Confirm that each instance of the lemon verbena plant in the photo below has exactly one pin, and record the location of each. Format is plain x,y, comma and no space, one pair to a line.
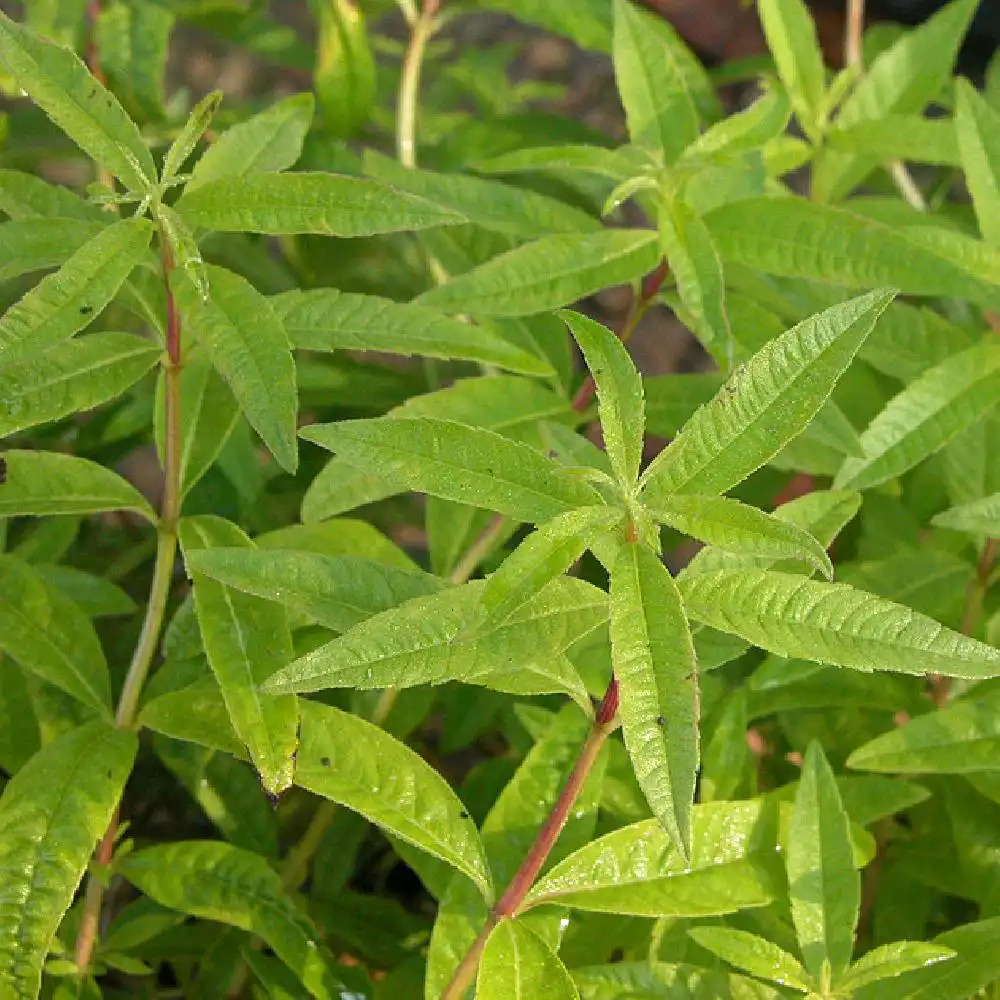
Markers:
330,674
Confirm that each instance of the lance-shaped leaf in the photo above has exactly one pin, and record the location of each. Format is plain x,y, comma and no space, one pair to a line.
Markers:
753,954
619,394
72,377
925,416
132,44
52,813
518,965
981,517
902,80
456,462
59,83
67,301
744,131
336,591
791,37
657,670
638,870
196,714
795,238
977,124
246,639
549,273
892,960
26,196
832,623
46,482
326,204
31,244
190,134
358,765
217,881
736,527
961,738
249,348
823,885
430,640
267,142
323,319
516,212
184,251
543,556
616,164
765,403
694,262
208,412
902,137
660,82
50,636
822,513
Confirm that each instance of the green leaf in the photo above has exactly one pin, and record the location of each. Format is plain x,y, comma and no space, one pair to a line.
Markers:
891,960
637,869
617,164
32,244
46,482
265,143
977,125
666,981
900,137
791,37
72,377
183,247
973,967
795,238
248,346
925,416
745,131
659,80
341,537
961,738
358,765
429,640
196,713
741,529
619,394
823,885
67,301
694,262
50,636
132,42
323,319
765,404
657,671
518,965
326,204
191,134
542,557
588,23
51,815
753,954
246,639
832,623
208,412
25,196
902,80
548,273
95,596
456,462
981,517
59,83
336,591
216,881
493,205
344,77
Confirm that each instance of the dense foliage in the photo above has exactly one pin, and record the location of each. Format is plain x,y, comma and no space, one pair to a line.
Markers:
381,686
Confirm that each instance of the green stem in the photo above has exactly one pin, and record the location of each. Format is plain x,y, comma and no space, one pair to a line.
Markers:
156,606
605,723
409,83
